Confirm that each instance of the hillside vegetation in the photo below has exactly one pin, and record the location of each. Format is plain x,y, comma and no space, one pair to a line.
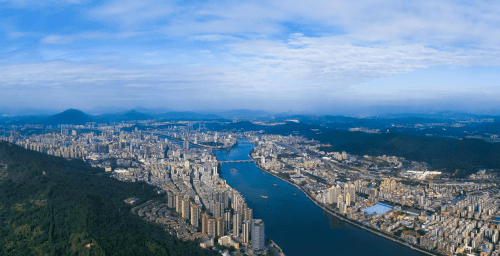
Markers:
447,153
51,206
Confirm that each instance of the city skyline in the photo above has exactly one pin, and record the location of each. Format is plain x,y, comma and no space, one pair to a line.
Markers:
275,56
260,192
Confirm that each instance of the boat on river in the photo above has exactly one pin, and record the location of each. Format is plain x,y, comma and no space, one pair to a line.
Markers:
233,170
275,184
265,197
294,194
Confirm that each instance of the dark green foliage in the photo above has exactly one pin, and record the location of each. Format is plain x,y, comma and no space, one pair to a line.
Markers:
51,206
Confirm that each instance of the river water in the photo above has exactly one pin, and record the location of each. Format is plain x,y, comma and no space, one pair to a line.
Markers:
295,223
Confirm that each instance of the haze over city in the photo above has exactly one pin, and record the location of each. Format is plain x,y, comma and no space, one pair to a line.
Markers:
279,56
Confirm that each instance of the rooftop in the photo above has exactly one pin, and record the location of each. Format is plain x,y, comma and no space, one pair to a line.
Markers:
379,208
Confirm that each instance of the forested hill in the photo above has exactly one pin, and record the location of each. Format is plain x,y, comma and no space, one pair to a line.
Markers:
51,206
449,154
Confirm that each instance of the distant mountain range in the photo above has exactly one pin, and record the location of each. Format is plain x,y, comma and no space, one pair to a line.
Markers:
125,116
187,116
70,116
241,113
77,117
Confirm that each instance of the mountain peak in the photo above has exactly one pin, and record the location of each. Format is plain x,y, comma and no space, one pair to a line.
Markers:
72,111
69,116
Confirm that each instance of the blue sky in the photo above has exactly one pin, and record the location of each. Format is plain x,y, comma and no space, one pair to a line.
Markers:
301,56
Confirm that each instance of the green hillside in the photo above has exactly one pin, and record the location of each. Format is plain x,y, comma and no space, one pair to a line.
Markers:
51,206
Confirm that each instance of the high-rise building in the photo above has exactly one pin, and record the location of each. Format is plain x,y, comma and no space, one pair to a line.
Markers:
333,193
217,209
170,200
352,191
185,208
204,223
245,232
209,204
64,131
236,223
220,226
234,201
248,214
227,220
211,227
258,242
195,215
178,202
225,198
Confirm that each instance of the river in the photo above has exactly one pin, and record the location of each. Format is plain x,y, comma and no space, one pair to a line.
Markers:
295,223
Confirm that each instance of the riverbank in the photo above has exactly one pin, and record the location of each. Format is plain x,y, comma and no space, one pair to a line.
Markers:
343,218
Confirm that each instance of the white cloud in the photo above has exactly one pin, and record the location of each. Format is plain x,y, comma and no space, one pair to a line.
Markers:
332,63
57,39
428,22
442,24
131,13
94,35
277,49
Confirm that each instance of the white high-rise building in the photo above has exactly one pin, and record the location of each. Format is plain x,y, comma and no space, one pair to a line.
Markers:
245,232
236,223
258,241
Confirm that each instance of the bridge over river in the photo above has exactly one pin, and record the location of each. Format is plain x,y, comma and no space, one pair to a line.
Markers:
236,161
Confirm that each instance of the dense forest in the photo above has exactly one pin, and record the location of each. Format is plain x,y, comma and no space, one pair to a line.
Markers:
52,206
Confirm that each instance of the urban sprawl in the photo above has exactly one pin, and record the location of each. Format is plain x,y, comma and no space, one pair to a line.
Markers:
402,200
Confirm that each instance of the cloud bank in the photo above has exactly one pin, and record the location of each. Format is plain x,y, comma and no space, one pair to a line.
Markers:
253,54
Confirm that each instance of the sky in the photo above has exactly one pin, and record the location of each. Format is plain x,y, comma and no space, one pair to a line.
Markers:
276,55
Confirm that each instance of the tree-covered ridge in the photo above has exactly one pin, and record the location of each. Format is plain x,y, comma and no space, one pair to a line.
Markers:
466,155
51,206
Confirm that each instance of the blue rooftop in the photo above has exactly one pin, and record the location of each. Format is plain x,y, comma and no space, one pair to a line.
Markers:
379,208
